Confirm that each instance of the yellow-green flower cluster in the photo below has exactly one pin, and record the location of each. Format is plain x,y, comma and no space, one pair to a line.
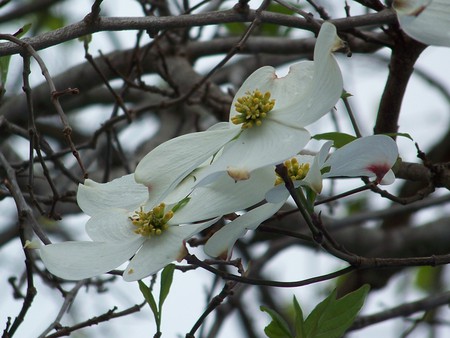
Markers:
296,171
151,223
252,108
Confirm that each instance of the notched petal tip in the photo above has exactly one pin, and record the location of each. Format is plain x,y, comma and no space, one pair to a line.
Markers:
238,174
328,36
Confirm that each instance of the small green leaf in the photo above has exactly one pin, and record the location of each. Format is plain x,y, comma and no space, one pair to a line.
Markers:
299,322
311,196
235,28
166,283
22,31
332,317
426,277
85,38
346,95
182,203
148,296
339,139
278,328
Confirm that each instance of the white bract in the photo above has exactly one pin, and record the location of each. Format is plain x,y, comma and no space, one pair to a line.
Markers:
371,156
126,224
266,124
427,21
121,225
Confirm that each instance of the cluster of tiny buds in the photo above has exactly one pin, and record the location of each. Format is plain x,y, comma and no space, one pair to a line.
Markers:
296,171
152,223
252,108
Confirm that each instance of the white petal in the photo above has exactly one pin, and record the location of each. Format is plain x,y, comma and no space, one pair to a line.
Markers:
271,143
326,86
427,21
371,156
159,251
166,165
287,91
410,7
223,240
111,226
123,192
277,194
79,260
323,80
308,91
389,178
314,176
225,196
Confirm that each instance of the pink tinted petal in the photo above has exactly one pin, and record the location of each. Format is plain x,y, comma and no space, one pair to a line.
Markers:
371,156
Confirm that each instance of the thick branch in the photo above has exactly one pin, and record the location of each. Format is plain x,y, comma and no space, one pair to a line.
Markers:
156,24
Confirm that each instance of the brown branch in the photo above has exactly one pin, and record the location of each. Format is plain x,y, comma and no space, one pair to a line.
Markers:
22,207
111,314
404,310
404,55
153,23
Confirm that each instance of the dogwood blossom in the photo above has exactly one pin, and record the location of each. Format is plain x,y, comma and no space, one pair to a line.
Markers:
371,156
266,125
427,21
121,225
125,225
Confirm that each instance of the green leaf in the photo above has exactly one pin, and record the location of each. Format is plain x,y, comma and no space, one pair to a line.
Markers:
50,21
235,28
148,296
332,317
339,139
166,283
268,29
299,322
427,277
278,328
311,196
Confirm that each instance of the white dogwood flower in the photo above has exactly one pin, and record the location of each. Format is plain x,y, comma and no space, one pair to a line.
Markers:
266,126
121,227
427,21
126,225
371,156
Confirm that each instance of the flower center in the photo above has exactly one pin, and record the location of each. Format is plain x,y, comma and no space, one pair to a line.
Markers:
152,223
296,171
252,108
